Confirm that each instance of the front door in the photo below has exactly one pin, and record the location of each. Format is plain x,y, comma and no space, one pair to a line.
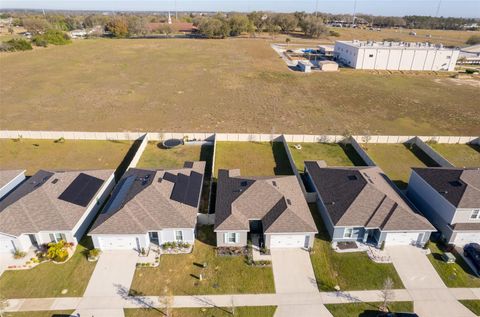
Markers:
307,242
154,237
33,240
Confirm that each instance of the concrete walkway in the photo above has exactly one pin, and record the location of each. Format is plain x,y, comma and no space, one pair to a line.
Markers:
430,295
291,299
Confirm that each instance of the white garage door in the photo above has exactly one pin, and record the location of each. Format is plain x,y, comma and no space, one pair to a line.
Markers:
287,241
118,243
401,238
6,245
463,238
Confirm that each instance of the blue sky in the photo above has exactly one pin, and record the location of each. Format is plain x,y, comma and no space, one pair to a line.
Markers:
458,8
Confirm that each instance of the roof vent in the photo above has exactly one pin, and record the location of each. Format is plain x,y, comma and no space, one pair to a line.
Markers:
55,181
352,177
274,183
455,183
243,183
160,179
443,192
289,202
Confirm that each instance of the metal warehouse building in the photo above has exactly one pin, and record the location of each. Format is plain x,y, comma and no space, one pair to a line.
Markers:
395,55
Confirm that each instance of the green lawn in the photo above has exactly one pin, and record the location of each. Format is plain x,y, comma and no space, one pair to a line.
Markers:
396,160
350,271
49,279
473,305
32,155
366,309
334,154
260,311
253,158
456,274
52,313
223,275
157,157
460,155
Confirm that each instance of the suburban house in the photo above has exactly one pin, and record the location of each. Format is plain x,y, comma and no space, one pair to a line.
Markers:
9,179
362,204
272,207
450,199
151,207
395,55
52,206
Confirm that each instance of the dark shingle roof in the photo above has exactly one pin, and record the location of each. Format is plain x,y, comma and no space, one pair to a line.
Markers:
364,197
146,200
277,201
460,186
36,204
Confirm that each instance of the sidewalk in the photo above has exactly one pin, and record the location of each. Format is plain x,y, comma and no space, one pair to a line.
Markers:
299,299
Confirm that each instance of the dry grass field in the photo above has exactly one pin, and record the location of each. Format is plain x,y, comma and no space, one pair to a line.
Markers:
235,85
33,155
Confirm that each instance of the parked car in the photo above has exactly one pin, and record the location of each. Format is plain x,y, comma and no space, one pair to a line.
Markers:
472,251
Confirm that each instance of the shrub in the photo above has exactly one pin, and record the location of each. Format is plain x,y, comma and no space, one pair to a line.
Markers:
334,33
19,254
94,253
471,71
55,37
382,247
473,40
57,251
15,45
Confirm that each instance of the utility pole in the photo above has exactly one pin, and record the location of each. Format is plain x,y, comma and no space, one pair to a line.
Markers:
316,8
354,11
438,8
176,12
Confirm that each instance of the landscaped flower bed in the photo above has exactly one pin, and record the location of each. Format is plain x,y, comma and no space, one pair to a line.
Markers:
232,251
176,247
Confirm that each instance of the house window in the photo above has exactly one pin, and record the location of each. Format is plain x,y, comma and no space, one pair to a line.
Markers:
448,57
348,233
179,235
231,237
370,55
475,214
55,237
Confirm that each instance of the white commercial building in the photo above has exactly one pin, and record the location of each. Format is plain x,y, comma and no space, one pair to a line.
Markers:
395,55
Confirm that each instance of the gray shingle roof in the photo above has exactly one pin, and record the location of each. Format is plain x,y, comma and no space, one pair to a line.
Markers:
277,201
363,197
148,200
6,176
35,205
460,186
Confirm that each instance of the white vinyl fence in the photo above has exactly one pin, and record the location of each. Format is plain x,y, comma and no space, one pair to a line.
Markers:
210,136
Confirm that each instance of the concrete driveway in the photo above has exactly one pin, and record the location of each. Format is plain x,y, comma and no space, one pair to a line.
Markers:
414,267
430,295
113,274
292,271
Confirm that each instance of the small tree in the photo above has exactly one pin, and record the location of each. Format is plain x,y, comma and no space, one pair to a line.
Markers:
387,294
165,29
287,40
10,30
